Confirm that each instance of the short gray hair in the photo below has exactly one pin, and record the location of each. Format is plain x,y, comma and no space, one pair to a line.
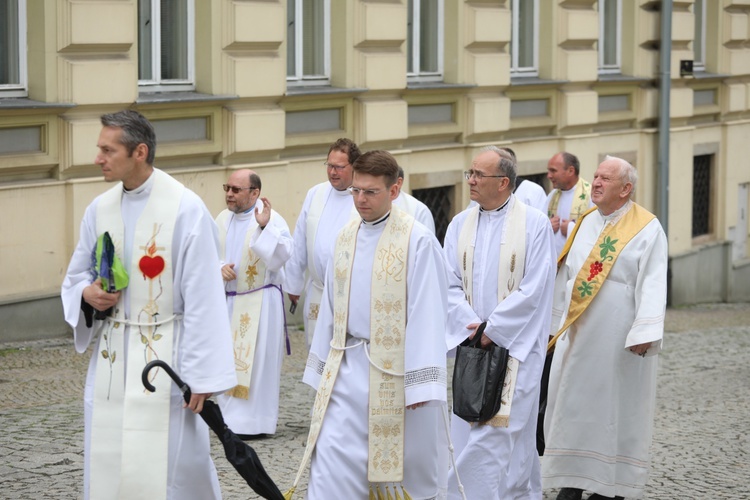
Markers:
628,173
136,129
506,165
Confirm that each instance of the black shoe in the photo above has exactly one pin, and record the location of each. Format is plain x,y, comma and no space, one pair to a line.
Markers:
597,496
251,437
570,494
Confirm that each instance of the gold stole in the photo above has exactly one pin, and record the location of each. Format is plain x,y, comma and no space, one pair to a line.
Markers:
510,271
581,198
130,426
387,343
251,274
596,268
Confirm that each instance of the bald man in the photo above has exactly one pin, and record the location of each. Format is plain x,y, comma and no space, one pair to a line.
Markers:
255,243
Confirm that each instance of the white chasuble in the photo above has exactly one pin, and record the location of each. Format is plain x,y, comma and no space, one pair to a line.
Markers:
510,271
251,273
130,425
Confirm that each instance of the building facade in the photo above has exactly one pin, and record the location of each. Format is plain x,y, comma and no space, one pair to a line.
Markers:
269,84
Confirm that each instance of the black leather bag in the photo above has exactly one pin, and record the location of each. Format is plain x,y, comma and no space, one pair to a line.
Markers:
478,377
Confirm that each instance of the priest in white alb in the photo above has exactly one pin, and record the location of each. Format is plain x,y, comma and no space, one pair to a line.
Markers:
327,207
569,199
499,256
378,356
609,303
255,243
139,444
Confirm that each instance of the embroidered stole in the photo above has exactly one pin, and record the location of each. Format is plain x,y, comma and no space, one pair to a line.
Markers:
387,344
596,268
251,274
581,197
511,267
130,426
314,214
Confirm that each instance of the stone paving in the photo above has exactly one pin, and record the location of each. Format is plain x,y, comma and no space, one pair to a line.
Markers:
701,443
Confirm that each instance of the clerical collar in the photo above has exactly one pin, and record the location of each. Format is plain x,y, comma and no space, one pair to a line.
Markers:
615,216
143,187
496,209
375,223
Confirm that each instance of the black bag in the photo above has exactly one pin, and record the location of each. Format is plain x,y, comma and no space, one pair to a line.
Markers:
478,377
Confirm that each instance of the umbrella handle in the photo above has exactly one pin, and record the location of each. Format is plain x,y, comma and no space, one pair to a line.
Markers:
168,369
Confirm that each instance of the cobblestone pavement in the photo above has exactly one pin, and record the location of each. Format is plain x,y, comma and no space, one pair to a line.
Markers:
701,443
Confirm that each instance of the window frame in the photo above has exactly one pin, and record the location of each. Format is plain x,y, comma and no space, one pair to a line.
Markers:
616,68
700,38
527,71
299,79
419,76
157,84
19,89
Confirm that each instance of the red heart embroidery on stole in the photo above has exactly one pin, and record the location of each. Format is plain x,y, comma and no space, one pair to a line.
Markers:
151,266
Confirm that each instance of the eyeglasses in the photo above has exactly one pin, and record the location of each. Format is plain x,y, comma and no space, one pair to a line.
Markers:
478,175
355,191
236,189
335,167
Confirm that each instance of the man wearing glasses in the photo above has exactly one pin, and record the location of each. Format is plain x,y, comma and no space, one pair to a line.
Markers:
499,257
378,356
255,243
327,207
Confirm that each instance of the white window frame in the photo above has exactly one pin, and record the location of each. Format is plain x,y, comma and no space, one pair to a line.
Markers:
157,84
700,39
526,71
19,89
610,69
299,79
416,47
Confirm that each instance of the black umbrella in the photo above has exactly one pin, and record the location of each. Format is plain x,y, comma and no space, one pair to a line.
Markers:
239,454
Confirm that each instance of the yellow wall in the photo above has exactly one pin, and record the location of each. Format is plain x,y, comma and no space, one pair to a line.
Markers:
82,62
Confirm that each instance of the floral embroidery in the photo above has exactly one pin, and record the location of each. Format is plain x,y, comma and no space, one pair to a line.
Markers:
607,246
585,288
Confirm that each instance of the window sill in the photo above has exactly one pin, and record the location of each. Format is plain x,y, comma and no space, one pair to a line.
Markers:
438,86
523,81
13,103
620,78
181,97
703,75
305,90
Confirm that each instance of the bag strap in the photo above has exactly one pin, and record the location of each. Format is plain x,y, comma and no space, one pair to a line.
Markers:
476,339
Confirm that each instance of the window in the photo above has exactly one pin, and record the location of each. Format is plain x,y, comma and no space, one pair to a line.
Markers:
308,42
699,40
523,38
609,36
166,45
13,48
424,42
702,195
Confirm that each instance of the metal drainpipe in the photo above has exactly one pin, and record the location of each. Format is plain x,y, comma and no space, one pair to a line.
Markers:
665,60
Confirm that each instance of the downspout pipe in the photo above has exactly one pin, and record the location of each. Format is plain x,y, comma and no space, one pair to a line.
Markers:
665,61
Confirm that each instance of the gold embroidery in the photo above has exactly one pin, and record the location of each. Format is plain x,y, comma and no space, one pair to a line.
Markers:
314,310
251,273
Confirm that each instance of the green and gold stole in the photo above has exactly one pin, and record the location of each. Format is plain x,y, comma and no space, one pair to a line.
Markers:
130,426
601,259
581,199
251,274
